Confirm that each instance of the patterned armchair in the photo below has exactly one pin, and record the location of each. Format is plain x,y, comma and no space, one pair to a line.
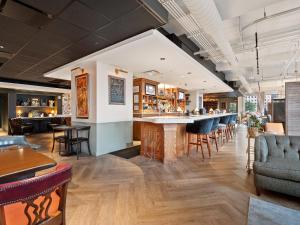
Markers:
38,200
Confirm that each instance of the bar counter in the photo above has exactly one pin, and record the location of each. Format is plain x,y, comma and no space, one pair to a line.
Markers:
165,136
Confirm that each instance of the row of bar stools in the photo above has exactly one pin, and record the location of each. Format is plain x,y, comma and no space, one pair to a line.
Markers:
201,128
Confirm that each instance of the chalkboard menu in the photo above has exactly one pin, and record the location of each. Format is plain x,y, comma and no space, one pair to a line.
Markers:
116,86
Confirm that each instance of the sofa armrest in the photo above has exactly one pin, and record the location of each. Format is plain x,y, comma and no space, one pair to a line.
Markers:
261,149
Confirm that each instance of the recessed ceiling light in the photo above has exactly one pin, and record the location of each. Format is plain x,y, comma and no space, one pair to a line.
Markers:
189,73
1,46
204,81
162,58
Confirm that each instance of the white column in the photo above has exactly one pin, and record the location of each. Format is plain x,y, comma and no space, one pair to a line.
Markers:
196,98
111,124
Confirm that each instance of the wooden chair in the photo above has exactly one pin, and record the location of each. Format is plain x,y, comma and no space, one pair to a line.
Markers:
36,201
61,139
274,128
16,126
80,139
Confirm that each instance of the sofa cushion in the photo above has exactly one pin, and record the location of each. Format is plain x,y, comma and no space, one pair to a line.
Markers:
279,168
283,147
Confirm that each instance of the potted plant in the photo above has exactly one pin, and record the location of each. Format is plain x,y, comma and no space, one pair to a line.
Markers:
254,125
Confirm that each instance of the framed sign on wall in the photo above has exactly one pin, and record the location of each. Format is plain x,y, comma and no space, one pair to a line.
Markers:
116,90
150,89
82,88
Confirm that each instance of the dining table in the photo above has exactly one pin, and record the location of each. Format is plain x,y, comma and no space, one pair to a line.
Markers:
68,132
17,163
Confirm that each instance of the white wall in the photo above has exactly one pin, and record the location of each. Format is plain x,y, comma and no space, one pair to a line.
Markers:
112,113
111,125
194,98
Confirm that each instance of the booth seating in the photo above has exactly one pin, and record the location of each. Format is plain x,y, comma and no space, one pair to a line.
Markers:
20,140
37,200
200,128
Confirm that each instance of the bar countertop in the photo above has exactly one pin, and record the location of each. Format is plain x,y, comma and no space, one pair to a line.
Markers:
178,119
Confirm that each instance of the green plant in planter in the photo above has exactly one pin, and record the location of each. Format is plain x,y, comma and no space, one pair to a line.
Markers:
255,121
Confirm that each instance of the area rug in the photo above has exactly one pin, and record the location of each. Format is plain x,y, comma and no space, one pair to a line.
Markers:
266,213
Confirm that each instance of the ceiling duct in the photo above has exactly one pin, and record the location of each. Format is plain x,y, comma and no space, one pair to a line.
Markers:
208,18
204,25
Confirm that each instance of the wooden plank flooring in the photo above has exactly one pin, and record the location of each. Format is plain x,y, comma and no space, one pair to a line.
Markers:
109,190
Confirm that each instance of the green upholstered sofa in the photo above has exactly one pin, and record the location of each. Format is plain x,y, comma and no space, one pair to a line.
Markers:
277,164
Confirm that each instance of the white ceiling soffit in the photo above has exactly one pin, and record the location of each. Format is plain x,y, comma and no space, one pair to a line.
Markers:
143,53
27,87
233,8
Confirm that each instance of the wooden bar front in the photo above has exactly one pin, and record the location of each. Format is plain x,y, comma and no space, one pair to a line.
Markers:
166,141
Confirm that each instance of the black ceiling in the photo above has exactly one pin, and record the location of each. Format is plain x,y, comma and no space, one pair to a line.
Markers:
40,35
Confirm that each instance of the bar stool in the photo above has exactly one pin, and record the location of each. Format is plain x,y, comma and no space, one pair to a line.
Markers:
214,131
232,124
200,128
223,128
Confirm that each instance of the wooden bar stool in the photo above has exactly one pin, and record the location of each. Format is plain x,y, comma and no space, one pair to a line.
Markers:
201,128
214,131
223,128
232,125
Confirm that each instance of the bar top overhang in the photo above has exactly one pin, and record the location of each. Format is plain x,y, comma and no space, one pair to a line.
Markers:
178,119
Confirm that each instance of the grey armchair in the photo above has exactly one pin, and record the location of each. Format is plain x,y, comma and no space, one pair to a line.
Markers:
6,141
277,164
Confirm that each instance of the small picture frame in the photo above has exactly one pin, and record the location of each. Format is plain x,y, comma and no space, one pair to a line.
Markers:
136,98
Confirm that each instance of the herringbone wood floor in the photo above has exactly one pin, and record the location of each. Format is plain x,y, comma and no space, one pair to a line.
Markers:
113,191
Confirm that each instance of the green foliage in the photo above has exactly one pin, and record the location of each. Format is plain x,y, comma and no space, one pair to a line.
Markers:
250,107
254,121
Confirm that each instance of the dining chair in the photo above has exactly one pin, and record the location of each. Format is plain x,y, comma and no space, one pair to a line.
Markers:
37,200
274,128
61,139
82,135
16,126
